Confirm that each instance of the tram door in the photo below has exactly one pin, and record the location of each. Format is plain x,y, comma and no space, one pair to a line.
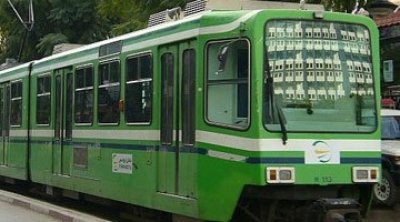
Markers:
4,121
177,155
62,146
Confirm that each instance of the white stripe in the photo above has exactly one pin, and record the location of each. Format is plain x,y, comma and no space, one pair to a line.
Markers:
23,67
228,27
248,144
16,76
65,63
162,40
18,133
226,156
42,133
117,134
190,33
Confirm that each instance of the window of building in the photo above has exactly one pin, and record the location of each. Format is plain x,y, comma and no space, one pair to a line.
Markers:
84,95
16,103
109,92
138,89
43,103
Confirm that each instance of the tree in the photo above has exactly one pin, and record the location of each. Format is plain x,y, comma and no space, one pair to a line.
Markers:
343,5
84,22
73,21
130,15
57,21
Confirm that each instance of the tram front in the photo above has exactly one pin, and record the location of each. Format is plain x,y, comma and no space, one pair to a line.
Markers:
320,87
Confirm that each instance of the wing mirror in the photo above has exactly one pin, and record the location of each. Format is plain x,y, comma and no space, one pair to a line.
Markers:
223,56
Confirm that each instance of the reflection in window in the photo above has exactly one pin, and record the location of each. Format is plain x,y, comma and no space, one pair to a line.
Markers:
332,77
109,91
84,95
43,106
138,89
228,90
16,103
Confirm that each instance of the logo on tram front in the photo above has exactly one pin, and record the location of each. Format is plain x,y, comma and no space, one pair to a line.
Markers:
322,151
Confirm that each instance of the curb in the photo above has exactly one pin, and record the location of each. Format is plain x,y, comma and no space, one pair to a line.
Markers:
57,212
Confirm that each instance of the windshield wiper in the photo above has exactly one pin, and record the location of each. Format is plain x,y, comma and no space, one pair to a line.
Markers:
269,82
281,118
269,88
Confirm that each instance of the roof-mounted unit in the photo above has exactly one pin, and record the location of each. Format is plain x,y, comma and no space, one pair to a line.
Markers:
165,16
203,5
257,4
9,63
176,13
157,18
195,7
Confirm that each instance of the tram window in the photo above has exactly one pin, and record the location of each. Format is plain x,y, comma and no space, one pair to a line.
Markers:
188,97
167,97
138,89
84,95
109,92
43,106
69,106
228,89
16,103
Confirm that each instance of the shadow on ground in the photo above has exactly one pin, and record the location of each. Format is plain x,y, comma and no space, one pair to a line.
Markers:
384,214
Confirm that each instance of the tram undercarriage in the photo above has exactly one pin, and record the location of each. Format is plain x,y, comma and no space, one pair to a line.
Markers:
303,204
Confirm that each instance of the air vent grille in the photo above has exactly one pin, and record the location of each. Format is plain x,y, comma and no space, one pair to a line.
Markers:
195,7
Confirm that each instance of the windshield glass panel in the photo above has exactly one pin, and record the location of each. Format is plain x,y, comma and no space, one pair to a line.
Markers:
320,77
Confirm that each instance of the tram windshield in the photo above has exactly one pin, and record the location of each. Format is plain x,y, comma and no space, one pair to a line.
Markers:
319,78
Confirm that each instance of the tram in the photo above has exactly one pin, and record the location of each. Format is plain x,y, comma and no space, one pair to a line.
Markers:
214,115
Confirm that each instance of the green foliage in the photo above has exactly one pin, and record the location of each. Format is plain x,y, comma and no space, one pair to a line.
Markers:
342,5
130,15
83,22
56,21
46,44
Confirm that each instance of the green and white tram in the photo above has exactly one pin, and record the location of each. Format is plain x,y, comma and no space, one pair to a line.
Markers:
246,115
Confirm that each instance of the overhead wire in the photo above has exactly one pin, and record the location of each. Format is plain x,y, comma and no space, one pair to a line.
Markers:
31,17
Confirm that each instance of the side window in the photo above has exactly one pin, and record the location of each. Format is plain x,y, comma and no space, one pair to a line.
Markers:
138,89
84,95
188,96
109,92
16,103
228,83
43,105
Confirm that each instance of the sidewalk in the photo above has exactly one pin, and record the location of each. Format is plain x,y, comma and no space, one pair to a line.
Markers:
59,213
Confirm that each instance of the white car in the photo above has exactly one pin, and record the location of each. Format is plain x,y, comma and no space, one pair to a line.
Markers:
388,190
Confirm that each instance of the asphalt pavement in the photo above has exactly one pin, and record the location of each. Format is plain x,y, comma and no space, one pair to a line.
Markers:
49,212
384,214
14,213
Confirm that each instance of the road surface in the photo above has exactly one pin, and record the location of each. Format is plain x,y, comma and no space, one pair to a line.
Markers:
14,213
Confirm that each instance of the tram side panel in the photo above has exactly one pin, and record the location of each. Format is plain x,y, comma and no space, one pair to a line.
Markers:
107,154
14,109
41,162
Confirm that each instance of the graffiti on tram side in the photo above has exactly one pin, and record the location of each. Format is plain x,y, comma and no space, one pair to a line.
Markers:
122,163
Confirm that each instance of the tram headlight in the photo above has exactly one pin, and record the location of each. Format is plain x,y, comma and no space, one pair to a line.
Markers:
365,174
280,175
362,174
285,175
